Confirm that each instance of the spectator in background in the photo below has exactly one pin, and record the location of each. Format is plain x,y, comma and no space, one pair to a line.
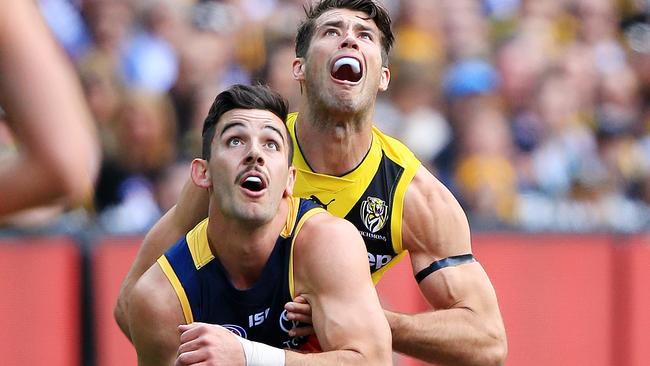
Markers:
145,137
599,47
412,112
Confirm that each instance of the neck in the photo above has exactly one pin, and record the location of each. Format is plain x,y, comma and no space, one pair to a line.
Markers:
333,143
242,247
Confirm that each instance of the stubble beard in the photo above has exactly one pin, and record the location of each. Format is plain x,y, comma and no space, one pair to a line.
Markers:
239,211
326,107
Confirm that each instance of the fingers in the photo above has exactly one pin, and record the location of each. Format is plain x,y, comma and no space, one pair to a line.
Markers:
190,358
300,299
192,345
195,330
301,331
302,318
299,309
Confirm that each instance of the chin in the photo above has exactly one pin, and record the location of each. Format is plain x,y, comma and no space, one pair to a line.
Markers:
256,217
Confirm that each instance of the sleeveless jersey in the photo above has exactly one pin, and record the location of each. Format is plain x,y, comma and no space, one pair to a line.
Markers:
371,196
207,295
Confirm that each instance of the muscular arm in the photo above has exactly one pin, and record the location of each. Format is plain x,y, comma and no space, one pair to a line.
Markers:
58,155
331,272
154,315
191,208
465,327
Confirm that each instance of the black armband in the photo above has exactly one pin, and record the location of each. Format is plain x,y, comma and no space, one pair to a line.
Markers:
454,260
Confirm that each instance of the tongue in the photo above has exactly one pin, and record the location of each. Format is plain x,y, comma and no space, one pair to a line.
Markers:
347,68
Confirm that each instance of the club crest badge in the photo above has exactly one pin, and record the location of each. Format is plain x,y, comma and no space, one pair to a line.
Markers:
236,329
374,213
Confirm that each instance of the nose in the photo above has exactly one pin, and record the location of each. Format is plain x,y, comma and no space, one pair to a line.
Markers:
254,156
349,42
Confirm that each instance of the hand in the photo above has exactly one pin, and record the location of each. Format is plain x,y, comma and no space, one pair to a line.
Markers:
208,344
300,310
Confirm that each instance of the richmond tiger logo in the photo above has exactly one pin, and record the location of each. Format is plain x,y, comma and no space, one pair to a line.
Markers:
374,213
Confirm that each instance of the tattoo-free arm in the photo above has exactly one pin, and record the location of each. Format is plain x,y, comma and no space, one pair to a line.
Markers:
465,326
331,272
58,156
191,208
154,316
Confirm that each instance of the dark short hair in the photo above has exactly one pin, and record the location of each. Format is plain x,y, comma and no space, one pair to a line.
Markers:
244,97
376,12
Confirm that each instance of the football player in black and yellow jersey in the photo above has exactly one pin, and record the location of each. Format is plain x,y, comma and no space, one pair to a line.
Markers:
376,183
258,249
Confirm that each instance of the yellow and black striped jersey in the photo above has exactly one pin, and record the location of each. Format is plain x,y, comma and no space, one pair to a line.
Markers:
371,196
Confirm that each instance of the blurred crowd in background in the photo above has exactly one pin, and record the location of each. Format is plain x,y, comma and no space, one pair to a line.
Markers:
535,113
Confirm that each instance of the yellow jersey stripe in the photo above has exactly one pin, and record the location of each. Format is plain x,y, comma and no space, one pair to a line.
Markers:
178,287
294,205
304,218
197,242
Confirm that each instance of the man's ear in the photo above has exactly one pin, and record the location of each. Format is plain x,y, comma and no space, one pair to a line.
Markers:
291,180
200,174
298,69
384,79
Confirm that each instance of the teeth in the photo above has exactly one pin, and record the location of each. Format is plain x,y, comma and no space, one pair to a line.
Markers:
253,180
353,62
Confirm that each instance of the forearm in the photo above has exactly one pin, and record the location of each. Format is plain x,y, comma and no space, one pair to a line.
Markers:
339,357
447,337
45,108
22,188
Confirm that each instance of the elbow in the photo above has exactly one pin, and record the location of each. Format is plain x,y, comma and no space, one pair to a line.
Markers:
497,352
120,313
381,353
76,179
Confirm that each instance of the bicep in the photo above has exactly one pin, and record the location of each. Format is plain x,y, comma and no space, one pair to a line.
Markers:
435,228
154,315
345,308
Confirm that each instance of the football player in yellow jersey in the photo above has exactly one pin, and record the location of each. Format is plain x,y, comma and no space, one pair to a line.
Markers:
375,182
258,247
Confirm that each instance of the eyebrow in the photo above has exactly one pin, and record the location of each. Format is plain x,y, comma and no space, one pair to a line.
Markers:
337,23
276,130
230,125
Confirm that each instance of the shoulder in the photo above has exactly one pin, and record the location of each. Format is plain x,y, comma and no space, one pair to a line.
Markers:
152,295
327,242
395,149
325,228
433,221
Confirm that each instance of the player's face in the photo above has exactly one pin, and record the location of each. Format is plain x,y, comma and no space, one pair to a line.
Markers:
249,165
343,69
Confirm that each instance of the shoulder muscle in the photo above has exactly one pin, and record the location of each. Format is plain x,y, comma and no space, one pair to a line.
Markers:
434,224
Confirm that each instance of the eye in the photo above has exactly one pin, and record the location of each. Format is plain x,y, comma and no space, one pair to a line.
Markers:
366,35
234,141
272,145
331,33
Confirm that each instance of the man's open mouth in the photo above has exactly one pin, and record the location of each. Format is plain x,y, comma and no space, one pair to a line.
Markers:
253,183
347,69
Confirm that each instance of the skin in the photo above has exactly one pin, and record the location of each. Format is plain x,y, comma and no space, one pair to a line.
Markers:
59,153
243,228
465,325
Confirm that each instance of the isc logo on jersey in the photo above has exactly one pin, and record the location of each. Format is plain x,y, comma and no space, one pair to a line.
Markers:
374,212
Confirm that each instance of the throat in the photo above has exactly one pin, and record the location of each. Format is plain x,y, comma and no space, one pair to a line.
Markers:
336,150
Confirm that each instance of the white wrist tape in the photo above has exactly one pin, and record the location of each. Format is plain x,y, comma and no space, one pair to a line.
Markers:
260,354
